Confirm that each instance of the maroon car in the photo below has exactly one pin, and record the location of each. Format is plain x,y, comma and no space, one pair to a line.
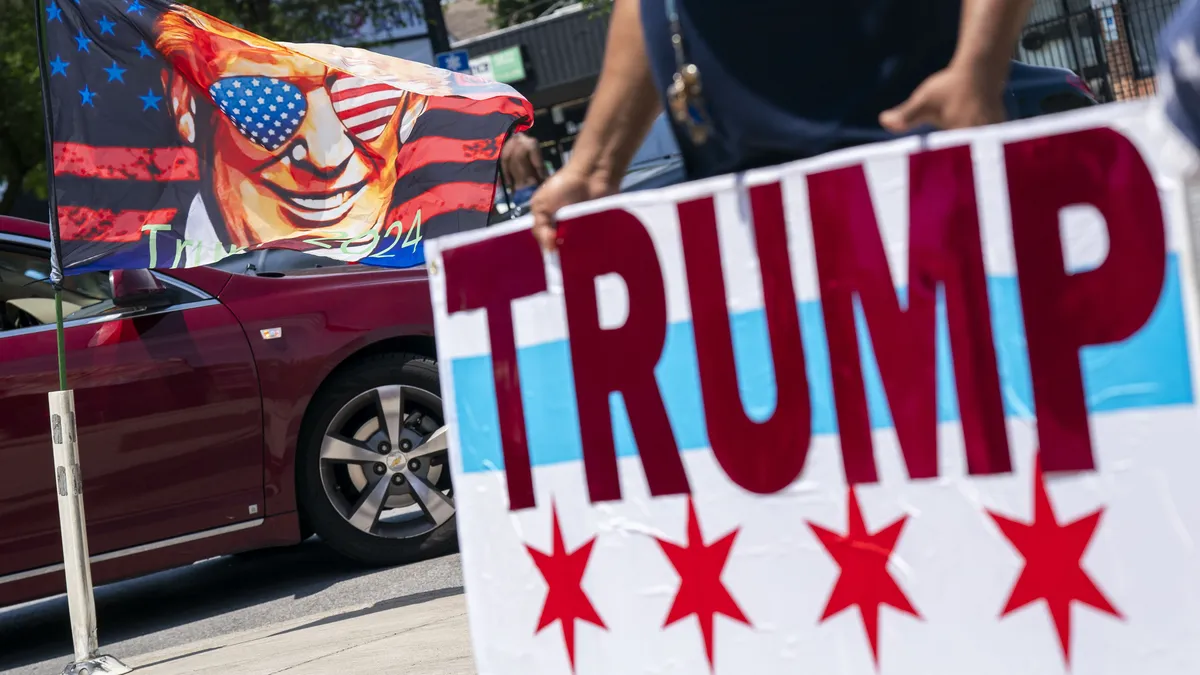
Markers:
220,410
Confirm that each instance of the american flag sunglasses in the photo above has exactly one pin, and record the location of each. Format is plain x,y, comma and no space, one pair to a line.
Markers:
268,110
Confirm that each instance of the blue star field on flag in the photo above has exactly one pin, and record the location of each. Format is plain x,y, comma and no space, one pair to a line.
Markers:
94,49
265,108
106,89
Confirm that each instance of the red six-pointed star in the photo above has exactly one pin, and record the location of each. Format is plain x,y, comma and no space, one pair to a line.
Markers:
1053,556
864,580
565,599
701,591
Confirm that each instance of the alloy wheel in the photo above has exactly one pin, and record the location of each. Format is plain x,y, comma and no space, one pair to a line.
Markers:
384,462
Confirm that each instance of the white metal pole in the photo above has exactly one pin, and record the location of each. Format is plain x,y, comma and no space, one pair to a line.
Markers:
68,483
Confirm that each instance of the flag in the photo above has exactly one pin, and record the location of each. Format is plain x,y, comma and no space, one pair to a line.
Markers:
179,139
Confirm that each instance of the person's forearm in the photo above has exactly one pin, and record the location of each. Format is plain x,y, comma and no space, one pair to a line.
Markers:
988,32
625,103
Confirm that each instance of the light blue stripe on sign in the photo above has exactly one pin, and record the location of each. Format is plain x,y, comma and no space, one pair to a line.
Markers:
1149,370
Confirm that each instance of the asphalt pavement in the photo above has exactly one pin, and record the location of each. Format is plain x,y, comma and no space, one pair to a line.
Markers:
213,598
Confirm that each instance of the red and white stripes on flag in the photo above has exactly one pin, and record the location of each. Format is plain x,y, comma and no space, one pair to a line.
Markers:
364,106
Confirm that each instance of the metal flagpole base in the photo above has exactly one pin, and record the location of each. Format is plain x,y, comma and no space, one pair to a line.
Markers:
68,483
100,665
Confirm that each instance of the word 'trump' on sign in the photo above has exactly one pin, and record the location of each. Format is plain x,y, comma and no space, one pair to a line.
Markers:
923,407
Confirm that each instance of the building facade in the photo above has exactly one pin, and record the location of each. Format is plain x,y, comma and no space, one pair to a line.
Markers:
554,61
1111,44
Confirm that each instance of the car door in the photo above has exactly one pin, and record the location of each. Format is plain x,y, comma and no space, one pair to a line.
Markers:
167,406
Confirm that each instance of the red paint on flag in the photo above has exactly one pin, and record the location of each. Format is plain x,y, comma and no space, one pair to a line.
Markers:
511,106
83,223
425,150
116,163
441,199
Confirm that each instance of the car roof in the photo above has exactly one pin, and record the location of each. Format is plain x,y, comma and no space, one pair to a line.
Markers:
24,228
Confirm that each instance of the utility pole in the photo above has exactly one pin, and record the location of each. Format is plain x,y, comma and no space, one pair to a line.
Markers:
439,39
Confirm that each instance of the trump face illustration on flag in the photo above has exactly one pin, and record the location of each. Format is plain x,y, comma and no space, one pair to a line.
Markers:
294,146
331,150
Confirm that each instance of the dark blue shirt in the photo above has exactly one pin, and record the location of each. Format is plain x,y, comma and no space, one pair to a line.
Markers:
787,79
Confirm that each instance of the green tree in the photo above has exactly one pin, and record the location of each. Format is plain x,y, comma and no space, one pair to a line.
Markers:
22,141
22,151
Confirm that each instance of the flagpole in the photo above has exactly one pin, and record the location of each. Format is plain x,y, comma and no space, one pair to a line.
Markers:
68,481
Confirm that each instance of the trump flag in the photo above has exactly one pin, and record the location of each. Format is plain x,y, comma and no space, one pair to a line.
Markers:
179,140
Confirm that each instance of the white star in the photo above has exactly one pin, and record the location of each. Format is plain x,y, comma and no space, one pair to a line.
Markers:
254,134
272,108
291,105
217,85
298,97
229,92
237,84
261,101
236,111
278,123
254,82
254,110
274,80
259,125
279,99
267,90
248,120
283,115
270,132
242,101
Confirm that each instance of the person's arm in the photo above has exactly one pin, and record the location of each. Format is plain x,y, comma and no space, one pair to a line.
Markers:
619,116
625,103
988,32
970,90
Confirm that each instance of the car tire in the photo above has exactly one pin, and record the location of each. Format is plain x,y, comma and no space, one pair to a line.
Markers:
319,502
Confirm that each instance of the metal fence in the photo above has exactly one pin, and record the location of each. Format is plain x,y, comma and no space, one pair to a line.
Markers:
1111,44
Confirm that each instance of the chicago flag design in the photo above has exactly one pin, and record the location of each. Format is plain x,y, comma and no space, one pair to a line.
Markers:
924,407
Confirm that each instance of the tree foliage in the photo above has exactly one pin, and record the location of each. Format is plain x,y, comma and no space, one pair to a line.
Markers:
22,150
22,142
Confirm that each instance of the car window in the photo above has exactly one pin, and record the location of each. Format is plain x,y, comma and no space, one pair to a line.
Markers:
27,297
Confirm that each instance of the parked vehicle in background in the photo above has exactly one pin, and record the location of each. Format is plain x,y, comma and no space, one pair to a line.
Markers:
220,410
1045,90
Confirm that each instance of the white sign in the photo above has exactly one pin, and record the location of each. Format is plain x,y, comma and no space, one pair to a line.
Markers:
656,430
1108,17
481,66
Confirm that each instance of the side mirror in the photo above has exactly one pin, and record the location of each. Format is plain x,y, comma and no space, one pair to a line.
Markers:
137,288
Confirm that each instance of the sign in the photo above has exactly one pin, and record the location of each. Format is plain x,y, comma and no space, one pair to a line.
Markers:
457,61
506,66
1109,18
924,407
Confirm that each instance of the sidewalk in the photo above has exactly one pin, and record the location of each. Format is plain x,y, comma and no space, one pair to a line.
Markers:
419,635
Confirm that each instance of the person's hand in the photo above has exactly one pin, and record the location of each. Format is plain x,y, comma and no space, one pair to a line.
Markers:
568,186
954,98
521,161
